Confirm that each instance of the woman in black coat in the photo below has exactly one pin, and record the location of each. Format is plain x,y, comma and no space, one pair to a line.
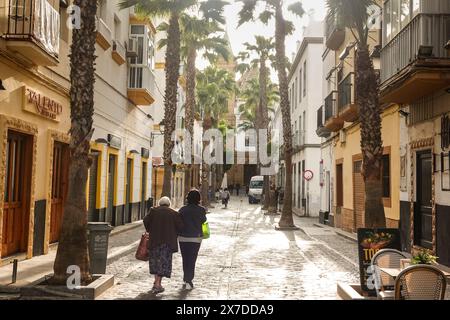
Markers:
191,236
163,225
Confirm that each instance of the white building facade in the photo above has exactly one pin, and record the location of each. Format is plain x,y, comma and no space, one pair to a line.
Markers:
304,99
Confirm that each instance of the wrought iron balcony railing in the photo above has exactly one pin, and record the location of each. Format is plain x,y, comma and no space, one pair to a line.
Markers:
36,21
426,32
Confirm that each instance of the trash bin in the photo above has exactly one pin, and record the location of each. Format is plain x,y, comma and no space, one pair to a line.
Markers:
98,235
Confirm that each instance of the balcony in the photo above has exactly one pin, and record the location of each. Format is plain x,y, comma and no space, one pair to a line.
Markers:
347,108
299,141
334,33
33,31
119,53
321,130
332,120
104,34
415,63
141,86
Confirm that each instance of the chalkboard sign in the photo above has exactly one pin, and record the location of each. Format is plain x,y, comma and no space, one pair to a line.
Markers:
370,241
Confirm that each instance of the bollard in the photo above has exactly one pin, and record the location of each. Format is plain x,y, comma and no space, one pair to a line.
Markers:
14,274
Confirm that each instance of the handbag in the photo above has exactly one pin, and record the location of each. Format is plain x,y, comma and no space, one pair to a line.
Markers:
206,230
142,250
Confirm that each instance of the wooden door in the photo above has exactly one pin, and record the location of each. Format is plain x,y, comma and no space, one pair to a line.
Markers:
17,193
59,188
339,186
359,195
423,215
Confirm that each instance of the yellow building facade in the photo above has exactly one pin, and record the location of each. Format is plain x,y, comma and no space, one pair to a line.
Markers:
341,127
35,121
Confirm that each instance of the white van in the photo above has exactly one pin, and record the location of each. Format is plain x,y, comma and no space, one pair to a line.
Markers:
255,189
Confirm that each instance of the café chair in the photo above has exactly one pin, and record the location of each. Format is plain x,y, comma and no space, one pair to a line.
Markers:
420,282
384,284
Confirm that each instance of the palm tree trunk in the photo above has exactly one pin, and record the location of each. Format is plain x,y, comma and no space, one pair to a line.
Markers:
170,102
73,245
371,141
189,109
205,167
286,219
264,122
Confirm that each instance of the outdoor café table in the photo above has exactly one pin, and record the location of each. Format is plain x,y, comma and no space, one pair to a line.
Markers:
394,272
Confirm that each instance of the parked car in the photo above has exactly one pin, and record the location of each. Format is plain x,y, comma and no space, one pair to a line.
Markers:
255,189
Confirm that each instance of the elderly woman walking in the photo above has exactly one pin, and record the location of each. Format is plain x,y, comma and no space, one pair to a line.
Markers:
163,224
191,235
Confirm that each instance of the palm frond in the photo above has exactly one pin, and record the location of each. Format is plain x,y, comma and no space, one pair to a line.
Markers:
247,12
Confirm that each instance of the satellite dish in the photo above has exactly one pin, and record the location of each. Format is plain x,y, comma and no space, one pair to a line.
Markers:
374,13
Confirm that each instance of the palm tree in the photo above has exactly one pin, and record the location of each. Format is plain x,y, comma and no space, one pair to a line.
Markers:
195,37
214,89
73,246
274,9
263,49
354,16
172,9
251,97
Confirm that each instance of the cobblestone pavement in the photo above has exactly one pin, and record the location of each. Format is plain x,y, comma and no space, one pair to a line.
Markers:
245,258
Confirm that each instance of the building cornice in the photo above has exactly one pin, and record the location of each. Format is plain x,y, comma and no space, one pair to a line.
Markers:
306,41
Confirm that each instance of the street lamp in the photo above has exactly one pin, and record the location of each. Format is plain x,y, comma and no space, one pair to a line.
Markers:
160,133
162,127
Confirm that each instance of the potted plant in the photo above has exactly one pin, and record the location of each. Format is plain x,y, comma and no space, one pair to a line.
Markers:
424,257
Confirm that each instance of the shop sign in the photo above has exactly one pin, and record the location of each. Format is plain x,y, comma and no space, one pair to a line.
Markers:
370,241
37,103
114,141
145,153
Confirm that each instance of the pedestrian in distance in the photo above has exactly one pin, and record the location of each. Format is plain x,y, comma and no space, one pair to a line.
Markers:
225,197
190,238
218,191
238,189
163,225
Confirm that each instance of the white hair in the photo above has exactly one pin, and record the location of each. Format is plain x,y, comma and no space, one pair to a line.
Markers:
165,201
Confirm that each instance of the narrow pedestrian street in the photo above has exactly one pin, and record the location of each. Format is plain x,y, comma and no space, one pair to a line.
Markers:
245,258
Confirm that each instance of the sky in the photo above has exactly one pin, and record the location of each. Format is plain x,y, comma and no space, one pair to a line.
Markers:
315,9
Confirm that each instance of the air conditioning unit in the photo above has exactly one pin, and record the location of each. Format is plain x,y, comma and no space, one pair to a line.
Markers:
132,48
343,136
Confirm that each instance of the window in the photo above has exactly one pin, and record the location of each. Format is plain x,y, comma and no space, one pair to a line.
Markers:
300,87
386,176
303,180
304,121
117,28
415,7
295,92
101,10
405,13
292,97
339,186
387,25
304,79
395,18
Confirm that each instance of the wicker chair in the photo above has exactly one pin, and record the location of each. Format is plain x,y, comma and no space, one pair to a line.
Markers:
420,282
384,284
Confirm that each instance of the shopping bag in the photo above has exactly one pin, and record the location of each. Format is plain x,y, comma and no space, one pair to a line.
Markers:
206,231
142,250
